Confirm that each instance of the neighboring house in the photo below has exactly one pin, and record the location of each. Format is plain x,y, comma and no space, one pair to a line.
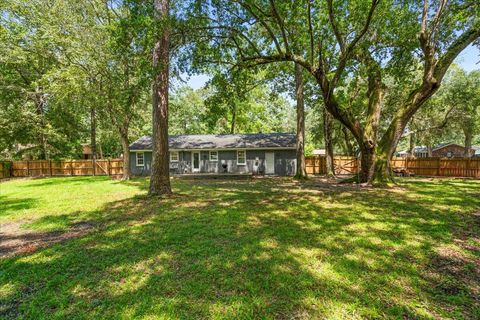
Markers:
87,151
261,153
477,151
417,152
447,150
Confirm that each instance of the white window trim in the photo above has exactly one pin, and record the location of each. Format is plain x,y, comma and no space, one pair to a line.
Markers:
143,159
245,157
210,155
178,156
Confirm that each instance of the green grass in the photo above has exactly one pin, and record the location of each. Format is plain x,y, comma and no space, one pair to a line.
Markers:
269,248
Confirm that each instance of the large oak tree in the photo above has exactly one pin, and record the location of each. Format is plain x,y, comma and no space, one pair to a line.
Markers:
341,40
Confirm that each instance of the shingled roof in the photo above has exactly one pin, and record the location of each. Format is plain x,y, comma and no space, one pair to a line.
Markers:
222,141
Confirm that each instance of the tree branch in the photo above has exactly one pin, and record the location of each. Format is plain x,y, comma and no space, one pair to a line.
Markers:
310,30
334,24
454,50
281,25
351,46
265,25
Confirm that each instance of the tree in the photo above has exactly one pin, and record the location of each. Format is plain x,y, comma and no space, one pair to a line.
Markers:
160,177
37,114
351,39
188,111
451,113
245,101
463,95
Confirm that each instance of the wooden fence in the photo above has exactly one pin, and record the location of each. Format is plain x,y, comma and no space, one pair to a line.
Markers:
457,167
40,168
441,167
342,165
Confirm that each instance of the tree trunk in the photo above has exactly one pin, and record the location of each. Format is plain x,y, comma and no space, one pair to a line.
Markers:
394,132
93,134
468,143
301,172
348,142
126,154
368,160
40,110
369,143
160,177
411,146
327,134
100,151
429,151
234,119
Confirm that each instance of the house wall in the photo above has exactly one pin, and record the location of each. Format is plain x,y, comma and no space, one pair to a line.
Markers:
140,170
457,151
285,163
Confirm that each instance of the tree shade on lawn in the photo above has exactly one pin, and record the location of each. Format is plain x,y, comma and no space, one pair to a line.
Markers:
267,248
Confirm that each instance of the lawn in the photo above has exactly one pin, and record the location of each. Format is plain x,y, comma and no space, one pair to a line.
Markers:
268,248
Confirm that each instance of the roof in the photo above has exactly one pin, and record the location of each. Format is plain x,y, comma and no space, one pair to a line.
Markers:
86,148
443,145
222,141
420,149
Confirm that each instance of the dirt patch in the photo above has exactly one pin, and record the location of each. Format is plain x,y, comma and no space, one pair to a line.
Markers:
15,240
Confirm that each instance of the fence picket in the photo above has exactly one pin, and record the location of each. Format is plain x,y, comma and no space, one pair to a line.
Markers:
458,167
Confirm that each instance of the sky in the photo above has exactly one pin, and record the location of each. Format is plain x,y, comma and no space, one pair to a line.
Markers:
469,60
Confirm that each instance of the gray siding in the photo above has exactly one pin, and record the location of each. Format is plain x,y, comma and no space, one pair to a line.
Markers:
140,170
285,163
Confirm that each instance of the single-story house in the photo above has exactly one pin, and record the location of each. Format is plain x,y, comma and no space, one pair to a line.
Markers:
446,150
271,154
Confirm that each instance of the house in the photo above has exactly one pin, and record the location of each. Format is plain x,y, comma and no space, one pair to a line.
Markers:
450,150
271,154
446,150
86,151
477,151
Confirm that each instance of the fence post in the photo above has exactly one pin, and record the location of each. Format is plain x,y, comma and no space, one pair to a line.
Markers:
93,165
51,174
468,167
28,169
11,169
439,162
71,168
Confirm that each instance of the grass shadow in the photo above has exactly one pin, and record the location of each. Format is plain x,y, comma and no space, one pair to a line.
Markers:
250,249
9,205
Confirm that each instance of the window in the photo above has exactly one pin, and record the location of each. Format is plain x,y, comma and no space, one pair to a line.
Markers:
449,154
213,155
140,159
173,156
241,157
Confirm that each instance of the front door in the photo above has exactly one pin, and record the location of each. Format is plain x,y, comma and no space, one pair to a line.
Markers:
269,163
196,162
